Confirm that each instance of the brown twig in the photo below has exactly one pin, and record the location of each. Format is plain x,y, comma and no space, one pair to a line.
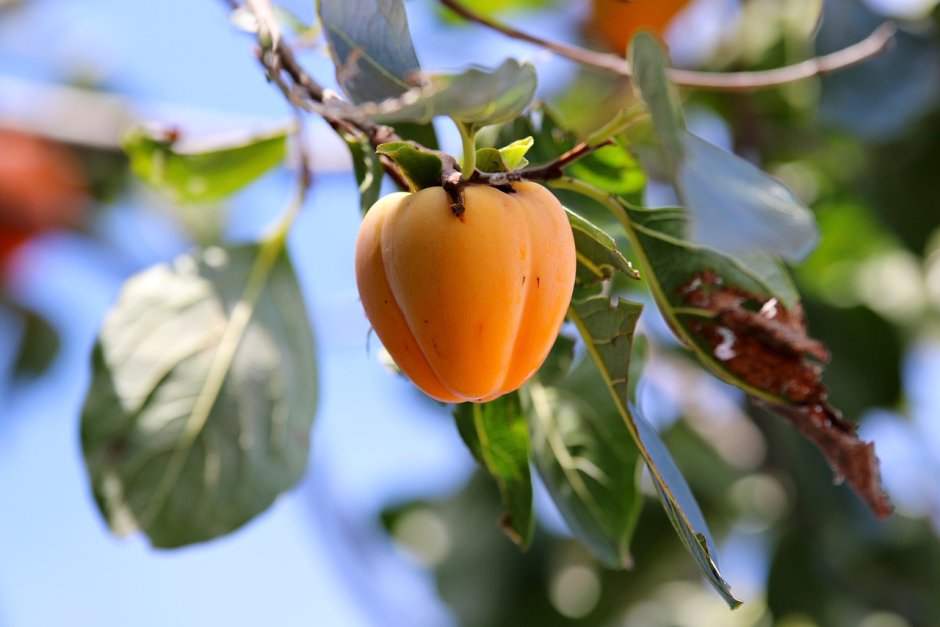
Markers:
279,60
876,43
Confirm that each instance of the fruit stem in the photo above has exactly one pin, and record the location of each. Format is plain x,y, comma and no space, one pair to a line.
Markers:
468,140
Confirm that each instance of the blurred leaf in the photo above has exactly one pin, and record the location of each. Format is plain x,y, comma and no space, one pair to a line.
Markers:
878,99
588,464
851,233
492,7
422,169
598,256
368,170
648,60
613,169
735,207
496,434
559,360
475,97
244,19
208,173
39,344
202,396
371,47
868,353
542,124
607,331
424,134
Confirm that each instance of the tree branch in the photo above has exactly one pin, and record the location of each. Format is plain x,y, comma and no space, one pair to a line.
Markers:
547,172
279,60
876,43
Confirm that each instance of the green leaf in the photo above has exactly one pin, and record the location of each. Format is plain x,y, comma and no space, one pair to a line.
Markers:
598,256
206,172
613,169
505,159
607,331
39,344
490,160
202,397
586,456
648,60
475,97
371,47
496,434
514,154
639,355
368,170
424,133
541,123
680,505
734,206
675,261
422,169
737,208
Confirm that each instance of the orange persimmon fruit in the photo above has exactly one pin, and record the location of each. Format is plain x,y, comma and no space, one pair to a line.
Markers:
469,306
617,20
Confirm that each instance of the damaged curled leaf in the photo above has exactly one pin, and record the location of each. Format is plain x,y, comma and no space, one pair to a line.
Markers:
767,346
850,458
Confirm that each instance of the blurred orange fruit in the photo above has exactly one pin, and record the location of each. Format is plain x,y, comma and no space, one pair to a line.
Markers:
41,188
617,20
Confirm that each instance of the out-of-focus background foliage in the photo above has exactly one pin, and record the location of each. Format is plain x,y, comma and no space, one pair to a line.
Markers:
392,526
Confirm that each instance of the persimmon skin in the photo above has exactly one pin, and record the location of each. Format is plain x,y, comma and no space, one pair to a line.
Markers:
467,307
618,20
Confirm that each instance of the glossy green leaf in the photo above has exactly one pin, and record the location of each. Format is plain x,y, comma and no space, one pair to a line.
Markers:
588,463
422,169
202,397
737,208
371,47
368,170
497,435
203,172
675,261
598,256
475,97
607,331
680,505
